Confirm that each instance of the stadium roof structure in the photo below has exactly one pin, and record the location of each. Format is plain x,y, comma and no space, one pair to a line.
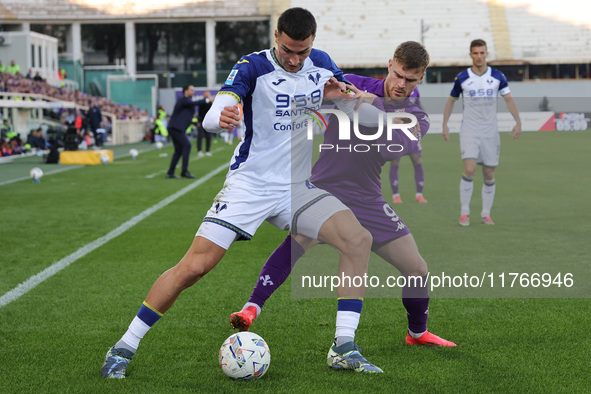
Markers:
365,33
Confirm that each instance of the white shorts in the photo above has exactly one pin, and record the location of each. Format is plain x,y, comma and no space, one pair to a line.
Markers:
238,211
485,150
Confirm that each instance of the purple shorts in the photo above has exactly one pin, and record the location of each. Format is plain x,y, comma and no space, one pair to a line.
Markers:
416,149
375,215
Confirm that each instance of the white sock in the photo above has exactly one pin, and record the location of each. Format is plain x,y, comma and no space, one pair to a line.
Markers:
488,196
136,331
347,322
466,189
415,335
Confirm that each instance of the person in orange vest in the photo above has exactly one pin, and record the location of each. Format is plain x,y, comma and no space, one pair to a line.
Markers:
78,122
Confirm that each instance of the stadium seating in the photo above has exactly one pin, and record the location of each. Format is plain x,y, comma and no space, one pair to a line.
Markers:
540,39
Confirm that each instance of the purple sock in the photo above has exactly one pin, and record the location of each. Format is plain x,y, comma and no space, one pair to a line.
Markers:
416,301
394,178
276,269
419,177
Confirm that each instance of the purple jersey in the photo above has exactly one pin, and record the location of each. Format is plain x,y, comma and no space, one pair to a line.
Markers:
358,173
354,177
376,86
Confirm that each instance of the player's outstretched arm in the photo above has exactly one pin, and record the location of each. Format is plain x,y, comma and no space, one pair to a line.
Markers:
224,114
516,132
449,106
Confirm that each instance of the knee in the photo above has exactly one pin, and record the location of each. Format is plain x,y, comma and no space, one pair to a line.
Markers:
419,268
469,173
488,173
189,272
357,241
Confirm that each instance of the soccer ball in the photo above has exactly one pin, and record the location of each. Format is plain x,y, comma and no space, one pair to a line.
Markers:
133,153
36,174
105,158
158,145
245,355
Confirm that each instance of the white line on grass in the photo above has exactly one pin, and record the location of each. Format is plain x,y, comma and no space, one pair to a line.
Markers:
70,167
35,280
190,160
47,173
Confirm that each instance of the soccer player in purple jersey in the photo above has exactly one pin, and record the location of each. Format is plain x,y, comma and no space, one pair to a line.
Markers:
354,178
415,158
479,136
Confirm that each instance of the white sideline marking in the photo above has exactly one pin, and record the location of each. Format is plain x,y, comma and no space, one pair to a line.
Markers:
35,280
70,167
46,173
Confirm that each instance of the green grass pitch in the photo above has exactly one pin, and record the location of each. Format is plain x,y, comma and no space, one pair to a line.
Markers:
53,339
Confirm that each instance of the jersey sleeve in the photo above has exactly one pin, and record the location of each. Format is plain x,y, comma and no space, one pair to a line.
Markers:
241,80
409,145
211,122
353,80
322,59
456,90
503,84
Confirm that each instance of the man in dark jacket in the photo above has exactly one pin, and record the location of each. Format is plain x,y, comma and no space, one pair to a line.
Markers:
95,117
181,118
204,106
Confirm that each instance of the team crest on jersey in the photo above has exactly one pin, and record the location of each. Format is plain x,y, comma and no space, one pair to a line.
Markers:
231,77
489,81
315,78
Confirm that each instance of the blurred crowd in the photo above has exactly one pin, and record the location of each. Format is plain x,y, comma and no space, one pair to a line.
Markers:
91,121
35,84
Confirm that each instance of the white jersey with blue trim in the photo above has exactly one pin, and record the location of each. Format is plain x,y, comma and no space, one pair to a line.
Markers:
275,151
480,100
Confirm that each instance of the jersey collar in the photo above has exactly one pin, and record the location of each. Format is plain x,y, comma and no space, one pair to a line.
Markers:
279,64
479,75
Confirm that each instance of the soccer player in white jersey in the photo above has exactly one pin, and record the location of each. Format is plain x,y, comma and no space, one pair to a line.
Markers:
268,176
479,136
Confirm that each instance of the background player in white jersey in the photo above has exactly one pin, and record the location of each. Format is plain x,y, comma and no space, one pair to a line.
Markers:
479,135
260,184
